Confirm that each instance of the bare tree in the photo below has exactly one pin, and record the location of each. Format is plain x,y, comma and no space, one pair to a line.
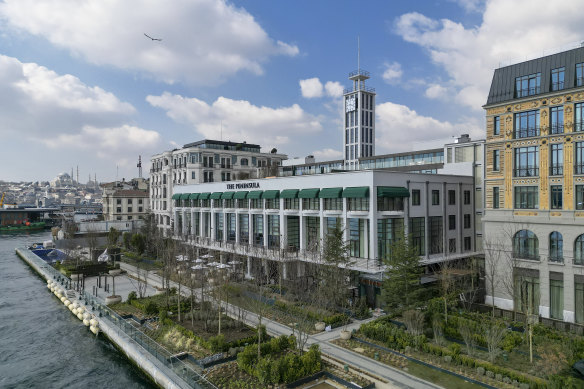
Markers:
438,329
468,336
494,256
494,334
142,281
446,283
414,321
91,241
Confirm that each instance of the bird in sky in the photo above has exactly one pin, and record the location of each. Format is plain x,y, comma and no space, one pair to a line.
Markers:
154,39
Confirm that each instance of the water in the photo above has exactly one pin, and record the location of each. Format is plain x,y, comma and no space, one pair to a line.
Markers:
42,345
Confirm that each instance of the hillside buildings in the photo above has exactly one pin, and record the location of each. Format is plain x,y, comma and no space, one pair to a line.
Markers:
534,186
126,200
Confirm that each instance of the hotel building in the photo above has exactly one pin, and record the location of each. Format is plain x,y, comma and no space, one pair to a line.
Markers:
534,186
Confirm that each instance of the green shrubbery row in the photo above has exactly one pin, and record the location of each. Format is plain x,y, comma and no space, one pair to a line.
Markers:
397,338
272,368
511,340
334,320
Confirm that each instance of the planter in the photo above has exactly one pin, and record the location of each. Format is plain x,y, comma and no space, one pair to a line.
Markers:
345,335
113,299
320,325
115,272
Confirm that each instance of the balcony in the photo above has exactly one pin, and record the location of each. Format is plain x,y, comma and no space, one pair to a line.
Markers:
527,132
526,255
578,169
557,170
527,92
556,258
526,172
557,128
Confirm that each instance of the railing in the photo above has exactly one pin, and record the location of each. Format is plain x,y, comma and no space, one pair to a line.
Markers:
526,172
578,169
558,258
527,132
557,128
527,91
524,255
181,369
557,170
557,85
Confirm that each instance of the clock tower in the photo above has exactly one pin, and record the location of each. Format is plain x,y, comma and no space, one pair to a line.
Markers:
359,123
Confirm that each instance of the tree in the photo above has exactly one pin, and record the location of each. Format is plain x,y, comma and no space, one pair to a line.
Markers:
494,334
91,241
127,238
493,257
446,284
401,285
468,336
113,236
414,321
138,242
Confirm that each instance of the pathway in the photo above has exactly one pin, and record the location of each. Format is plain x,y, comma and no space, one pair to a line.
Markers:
395,378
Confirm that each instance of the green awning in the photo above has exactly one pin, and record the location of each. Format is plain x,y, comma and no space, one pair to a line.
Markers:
309,193
204,196
392,191
194,196
185,196
176,196
227,195
330,193
271,194
289,193
216,195
241,195
356,192
255,194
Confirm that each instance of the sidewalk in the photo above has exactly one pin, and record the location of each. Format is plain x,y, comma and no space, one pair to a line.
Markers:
395,378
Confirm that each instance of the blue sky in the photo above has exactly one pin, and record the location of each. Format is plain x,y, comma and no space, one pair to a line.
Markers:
80,85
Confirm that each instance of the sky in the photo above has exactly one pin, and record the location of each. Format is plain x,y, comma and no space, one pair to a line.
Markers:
82,87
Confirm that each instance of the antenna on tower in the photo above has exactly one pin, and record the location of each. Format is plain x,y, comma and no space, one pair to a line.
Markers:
139,166
358,54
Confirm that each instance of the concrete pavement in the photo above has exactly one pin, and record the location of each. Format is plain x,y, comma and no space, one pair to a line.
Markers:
395,378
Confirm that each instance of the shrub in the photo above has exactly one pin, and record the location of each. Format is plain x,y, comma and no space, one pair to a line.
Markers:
132,296
151,308
447,358
454,348
480,370
490,374
162,315
217,343
499,377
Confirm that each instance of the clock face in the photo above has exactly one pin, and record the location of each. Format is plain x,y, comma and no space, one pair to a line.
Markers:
350,104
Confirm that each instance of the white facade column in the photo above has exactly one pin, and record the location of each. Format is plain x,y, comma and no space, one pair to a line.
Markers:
544,291
250,228
224,237
373,254
569,303
283,231
184,221
248,274
284,270
213,226
237,240
265,229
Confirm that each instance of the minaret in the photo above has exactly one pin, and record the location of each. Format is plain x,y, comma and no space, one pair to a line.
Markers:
359,134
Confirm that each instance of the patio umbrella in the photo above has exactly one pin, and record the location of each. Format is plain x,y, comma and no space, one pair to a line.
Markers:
207,256
234,262
199,267
223,266
199,260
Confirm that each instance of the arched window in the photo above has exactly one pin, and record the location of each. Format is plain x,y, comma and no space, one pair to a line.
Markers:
244,162
556,253
579,250
525,245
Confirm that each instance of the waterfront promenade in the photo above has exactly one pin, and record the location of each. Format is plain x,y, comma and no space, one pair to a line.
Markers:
383,375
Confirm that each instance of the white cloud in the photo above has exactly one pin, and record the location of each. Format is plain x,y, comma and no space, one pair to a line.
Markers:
435,91
509,29
203,41
310,88
393,72
333,88
240,120
470,5
399,127
327,154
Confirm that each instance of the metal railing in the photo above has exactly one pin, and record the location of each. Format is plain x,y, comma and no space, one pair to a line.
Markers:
184,371
526,172
527,132
556,170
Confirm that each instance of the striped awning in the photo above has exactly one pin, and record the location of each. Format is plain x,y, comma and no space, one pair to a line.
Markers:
204,196
289,193
216,195
392,191
330,193
356,192
255,194
185,196
271,194
240,195
227,195
194,196
309,193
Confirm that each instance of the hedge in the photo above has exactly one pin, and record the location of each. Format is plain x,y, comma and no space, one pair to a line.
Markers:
334,320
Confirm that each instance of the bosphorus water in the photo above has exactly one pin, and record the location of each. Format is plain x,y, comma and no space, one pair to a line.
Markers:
42,345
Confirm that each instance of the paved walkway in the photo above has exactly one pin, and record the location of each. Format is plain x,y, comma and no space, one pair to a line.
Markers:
395,378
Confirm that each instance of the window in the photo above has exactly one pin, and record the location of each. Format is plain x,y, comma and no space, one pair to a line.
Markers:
257,203
358,204
119,201
243,203
557,79
390,204
451,245
579,74
579,197
526,197
496,160
467,243
579,117
556,250
526,124
333,204
416,197
311,204
557,299
193,175
528,85
451,197
466,197
244,162
579,160
527,294
291,203
435,197
140,209
388,230
526,162
129,209
466,219
557,120
417,229
357,241
526,245
496,197
452,222
140,201
119,210
556,196
272,203
436,234
579,250
497,125
579,300
556,159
